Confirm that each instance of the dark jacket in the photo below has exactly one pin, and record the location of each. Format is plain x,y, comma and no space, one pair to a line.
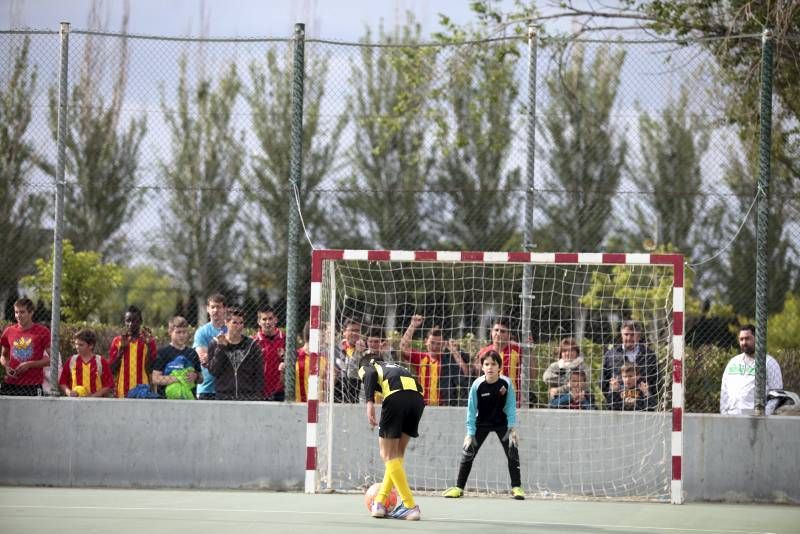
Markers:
646,363
238,370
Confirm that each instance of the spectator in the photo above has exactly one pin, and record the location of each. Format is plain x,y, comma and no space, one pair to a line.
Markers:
85,373
633,351
236,361
376,344
491,408
578,397
440,375
302,368
737,396
557,374
131,354
273,344
510,352
632,392
347,356
215,306
24,352
176,363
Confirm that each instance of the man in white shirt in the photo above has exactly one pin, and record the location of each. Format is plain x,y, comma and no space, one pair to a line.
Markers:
737,396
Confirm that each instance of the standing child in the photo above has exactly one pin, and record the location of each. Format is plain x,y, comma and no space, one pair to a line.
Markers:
273,345
131,354
177,363
85,374
491,407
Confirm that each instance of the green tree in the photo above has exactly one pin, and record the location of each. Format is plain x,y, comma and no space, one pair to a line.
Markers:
390,109
585,150
200,234
267,188
475,141
102,153
784,326
781,270
86,282
672,147
21,232
147,288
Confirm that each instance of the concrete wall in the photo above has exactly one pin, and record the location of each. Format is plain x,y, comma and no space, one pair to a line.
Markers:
159,443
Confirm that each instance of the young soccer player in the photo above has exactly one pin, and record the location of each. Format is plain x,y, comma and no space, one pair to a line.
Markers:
85,373
401,412
131,354
491,407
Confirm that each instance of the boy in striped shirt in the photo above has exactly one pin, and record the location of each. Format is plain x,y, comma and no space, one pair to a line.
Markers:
131,354
85,374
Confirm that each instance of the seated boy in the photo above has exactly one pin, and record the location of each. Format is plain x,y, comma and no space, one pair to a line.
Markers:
85,374
578,397
633,393
177,363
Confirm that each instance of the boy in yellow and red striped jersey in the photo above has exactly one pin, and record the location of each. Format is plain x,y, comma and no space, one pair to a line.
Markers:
85,374
438,371
131,354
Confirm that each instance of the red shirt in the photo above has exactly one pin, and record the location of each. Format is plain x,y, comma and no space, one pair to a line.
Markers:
272,348
77,372
428,370
136,360
512,363
26,346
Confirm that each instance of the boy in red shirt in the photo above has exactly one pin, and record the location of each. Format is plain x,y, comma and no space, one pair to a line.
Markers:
24,352
273,344
85,374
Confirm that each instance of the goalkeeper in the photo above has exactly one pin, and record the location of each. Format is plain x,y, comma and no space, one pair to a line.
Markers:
491,408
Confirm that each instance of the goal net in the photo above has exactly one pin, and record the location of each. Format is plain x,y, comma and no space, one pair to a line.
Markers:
591,342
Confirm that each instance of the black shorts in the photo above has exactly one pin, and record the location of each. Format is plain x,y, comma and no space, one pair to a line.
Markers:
400,414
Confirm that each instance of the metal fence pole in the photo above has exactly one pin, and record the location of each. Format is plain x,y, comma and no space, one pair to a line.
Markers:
527,230
58,227
295,186
762,207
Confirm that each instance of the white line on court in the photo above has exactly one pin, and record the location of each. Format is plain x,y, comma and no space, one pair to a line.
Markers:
309,512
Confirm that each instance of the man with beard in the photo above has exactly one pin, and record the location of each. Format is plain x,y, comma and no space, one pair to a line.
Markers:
737,396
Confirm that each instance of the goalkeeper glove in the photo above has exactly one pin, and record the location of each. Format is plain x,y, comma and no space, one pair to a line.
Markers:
512,437
469,447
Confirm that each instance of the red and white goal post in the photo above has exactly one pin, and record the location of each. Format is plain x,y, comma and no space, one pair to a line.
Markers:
600,453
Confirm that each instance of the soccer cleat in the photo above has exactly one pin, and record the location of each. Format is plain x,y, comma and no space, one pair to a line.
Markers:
453,493
518,493
409,514
378,510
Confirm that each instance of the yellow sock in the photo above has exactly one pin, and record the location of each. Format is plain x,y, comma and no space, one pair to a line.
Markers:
394,468
386,487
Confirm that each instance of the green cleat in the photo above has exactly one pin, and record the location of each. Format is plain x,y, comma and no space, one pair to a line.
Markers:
518,493
453,493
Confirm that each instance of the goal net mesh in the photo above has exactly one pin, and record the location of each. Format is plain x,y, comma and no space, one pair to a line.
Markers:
604,450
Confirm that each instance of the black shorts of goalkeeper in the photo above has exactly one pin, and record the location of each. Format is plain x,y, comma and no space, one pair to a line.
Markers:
402,405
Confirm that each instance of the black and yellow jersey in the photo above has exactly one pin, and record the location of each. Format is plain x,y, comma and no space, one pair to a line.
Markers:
386,378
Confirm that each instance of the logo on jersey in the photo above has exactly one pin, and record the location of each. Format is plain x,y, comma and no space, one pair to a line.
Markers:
23,348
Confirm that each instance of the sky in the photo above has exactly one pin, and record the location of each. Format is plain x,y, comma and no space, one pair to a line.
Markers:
329,19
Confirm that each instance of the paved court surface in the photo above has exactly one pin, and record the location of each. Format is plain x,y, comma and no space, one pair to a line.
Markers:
112,511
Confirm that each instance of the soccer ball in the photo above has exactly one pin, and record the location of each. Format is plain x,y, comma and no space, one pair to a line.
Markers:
81,391
369,497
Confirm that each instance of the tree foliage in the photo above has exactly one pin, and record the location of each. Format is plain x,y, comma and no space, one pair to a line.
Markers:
584,148
87,282
102,153
672,147
147,288
474,143
21,233
267,187
784,326
390,109
200,235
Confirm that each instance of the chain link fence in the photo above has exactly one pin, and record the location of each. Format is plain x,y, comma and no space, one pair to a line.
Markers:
178,158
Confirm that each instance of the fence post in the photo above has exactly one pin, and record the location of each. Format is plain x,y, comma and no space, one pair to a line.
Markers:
58,226
527,230
295,189
762,207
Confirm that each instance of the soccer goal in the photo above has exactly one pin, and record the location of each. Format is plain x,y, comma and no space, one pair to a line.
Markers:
532,305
